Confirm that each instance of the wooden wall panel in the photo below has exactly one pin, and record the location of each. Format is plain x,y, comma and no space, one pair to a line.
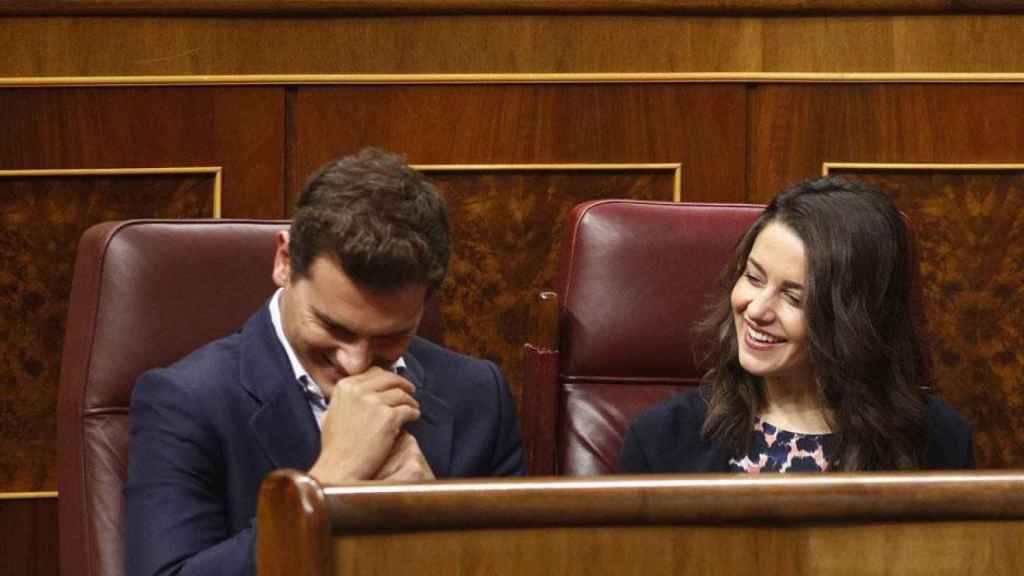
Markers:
700,127
971,274
795,129
970,230
506,224
42,219
524,43
239,129
28,536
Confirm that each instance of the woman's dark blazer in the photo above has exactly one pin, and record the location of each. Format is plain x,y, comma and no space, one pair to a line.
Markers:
667,439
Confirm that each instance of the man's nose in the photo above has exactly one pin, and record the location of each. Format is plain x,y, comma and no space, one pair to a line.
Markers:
354,357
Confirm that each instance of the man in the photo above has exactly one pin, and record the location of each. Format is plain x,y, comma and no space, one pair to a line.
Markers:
327,377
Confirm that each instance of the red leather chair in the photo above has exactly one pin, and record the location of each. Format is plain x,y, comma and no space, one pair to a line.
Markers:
633,279
145,293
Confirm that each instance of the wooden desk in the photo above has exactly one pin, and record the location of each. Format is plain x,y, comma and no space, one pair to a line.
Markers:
921,523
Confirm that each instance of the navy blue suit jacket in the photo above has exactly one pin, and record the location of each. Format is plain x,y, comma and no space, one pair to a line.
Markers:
668,439
207,430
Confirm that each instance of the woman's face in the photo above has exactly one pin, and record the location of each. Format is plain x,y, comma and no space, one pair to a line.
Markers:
767,306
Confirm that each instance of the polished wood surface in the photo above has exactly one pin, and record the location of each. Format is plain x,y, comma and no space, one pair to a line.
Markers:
796,524
238,129
700,127
593,43
28,535
796,129
277,7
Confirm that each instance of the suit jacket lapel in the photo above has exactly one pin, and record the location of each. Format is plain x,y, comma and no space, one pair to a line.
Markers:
433,430
283,425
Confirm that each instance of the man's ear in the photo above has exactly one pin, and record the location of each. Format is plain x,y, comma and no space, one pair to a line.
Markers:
282,260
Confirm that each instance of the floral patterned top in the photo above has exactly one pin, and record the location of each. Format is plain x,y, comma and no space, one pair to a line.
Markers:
776,450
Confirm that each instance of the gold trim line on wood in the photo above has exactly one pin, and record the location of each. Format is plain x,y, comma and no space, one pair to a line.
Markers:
28,495
540,78
216,171
677,168
910,166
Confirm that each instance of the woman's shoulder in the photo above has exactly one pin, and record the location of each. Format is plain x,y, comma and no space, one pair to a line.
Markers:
950,436
668,438
686,410
942,416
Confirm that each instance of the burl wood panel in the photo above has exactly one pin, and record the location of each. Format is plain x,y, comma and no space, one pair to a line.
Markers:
28,536
970,271
505,250
42,220
239,129
970,231
499,43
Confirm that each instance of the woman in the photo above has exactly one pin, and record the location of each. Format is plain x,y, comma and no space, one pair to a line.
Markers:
817,363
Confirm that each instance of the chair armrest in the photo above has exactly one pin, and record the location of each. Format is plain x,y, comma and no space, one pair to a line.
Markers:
540,387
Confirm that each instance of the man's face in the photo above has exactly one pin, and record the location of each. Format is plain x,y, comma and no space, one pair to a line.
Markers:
338,328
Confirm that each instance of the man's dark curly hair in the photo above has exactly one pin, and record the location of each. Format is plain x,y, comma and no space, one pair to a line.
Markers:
379,219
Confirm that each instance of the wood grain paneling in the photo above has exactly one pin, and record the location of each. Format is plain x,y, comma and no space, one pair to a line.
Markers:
698,126
28,536
911,548
903,524
795,129
240,129
597,43
43,218
970,231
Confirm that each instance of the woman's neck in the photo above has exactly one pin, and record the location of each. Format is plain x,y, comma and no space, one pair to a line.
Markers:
794,406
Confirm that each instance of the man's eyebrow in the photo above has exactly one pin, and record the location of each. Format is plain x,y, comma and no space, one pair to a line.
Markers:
336,326
328,321
787,284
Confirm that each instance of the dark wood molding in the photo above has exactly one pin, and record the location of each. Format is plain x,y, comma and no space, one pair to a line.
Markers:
405,7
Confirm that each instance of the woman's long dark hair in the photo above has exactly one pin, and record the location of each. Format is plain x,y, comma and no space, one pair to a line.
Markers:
866,348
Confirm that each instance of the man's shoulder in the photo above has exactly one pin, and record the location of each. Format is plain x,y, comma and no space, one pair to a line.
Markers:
458,378
215,363
215,356
434,358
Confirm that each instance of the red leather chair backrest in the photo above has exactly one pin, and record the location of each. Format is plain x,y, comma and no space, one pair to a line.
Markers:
634,279
144,294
